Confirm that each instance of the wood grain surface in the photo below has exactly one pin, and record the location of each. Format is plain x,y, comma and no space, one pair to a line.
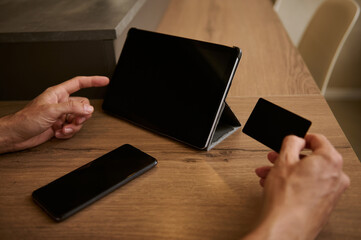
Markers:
270,64
191,194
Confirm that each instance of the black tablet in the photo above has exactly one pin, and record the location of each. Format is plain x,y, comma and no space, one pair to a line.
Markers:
172,85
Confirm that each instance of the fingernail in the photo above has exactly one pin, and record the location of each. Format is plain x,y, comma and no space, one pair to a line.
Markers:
58,134
88,108
81,120
68,130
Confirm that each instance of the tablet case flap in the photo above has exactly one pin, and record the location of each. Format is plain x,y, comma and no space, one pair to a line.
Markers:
228,124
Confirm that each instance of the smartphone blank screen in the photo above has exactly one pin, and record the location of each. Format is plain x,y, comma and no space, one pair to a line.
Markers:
79,188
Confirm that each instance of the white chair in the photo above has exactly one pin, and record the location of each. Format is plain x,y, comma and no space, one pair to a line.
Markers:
295,16
325,36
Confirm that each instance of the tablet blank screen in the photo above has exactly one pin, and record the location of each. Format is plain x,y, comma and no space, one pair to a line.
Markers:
171,85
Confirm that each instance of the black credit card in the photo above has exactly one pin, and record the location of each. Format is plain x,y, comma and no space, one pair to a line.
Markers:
270,124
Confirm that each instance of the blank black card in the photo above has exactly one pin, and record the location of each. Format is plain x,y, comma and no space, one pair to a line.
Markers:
270,124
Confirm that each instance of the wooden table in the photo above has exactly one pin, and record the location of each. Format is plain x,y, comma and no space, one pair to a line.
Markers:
191,194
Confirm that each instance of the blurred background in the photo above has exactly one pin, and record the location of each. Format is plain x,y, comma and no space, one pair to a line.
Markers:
343,90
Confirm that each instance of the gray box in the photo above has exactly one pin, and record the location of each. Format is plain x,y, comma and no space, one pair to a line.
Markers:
43,43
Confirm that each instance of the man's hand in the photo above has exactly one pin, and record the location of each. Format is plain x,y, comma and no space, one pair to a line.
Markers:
300,191
52,113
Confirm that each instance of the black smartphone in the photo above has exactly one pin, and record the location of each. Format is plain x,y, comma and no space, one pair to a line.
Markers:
270,124
74,191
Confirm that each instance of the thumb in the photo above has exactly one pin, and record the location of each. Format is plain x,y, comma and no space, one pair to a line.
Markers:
291,149
71,107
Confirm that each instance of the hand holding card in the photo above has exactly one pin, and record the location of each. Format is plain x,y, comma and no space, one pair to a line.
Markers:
270,124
